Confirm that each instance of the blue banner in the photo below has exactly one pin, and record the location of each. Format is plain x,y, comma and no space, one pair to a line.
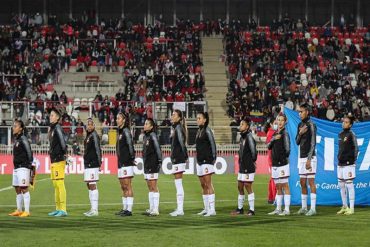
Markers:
326,151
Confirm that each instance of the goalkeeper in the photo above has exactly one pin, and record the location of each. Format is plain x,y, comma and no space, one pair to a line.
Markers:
57,152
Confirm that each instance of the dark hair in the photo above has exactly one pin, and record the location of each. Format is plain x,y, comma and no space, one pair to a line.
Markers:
183,123
284,116
152,123
21,124
351,118
127,119
247,120
305,106
206,116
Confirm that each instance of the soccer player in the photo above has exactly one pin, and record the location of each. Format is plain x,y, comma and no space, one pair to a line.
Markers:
152,157
347,156
22,160
306,139
57,152
92,163
247,167
179,156
280,150
206,157
126,162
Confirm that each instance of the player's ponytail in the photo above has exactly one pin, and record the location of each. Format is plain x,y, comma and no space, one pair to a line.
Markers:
23,127
183,124
153,124
206,117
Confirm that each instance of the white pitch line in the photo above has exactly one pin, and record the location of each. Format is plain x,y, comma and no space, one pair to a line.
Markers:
11,187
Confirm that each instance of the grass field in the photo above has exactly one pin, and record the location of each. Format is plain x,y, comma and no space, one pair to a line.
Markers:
325,229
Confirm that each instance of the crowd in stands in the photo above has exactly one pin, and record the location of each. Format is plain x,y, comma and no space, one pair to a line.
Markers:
291,62
158,63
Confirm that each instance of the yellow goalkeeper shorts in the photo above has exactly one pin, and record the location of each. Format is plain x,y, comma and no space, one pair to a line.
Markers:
58,170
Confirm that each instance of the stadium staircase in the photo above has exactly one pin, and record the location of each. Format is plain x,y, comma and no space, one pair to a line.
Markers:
216,84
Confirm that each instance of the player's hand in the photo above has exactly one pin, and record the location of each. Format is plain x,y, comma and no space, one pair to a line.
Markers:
303,130
277,137
308,165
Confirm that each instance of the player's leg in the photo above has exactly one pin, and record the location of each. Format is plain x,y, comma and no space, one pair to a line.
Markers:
62,197
94,199
150,195
26,201
124,198
241,198
127,193
251,198
279,198
130,195
204,195
18,192
61,189
53,176
342,189
311,182
351,194
286,192
303,182
19,200
211,194
180,195
155,191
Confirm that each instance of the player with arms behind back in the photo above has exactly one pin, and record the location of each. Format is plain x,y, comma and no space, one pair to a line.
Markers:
22,160
247,167
126,162
58,151
347,156
92,163
206,158
152,157
179,156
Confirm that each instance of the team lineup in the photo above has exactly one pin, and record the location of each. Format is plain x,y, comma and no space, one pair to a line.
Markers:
24,171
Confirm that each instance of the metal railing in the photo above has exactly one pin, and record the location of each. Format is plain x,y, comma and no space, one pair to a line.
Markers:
222,150
108,135
9,110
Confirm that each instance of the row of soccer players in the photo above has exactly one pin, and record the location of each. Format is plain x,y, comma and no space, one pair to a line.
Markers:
206,157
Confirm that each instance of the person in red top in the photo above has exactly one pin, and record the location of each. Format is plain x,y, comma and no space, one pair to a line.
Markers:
66,125
157,97
270,128
179,97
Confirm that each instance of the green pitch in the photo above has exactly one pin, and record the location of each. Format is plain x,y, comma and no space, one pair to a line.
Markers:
325,229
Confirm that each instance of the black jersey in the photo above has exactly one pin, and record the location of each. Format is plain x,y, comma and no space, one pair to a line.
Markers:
92,153
205,146
307,141
125,148
280,148
58,143
152,154
22,153
348,148
247,153
179,153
